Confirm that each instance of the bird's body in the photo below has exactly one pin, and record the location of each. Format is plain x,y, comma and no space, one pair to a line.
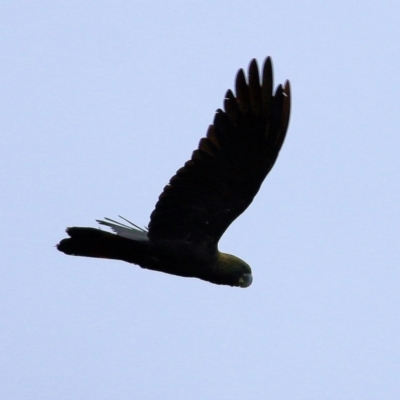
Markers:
207,194
187,259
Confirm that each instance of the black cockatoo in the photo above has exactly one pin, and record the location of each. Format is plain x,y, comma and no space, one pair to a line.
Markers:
207,194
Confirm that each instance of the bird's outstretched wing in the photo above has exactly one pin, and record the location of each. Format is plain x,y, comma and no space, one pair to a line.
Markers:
227,170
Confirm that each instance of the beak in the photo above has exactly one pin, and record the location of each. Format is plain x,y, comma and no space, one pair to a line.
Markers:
245,280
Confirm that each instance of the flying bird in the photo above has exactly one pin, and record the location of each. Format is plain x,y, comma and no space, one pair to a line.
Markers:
207,194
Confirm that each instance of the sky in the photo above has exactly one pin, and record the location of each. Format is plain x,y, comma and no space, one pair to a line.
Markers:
100,103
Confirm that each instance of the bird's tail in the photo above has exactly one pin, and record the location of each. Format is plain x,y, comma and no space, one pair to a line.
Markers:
91,242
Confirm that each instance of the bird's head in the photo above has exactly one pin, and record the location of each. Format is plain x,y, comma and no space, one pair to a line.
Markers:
234,271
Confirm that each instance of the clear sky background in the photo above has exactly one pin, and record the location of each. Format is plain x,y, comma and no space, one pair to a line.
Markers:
100,103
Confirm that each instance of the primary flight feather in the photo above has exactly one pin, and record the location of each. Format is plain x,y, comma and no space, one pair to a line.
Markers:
207,194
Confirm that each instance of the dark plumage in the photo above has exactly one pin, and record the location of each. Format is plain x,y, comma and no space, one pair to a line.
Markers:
207,194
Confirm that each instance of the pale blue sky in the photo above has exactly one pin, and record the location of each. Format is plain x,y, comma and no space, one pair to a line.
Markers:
100,103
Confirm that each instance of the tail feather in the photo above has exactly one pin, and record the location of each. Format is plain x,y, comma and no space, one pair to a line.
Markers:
130,231
91,242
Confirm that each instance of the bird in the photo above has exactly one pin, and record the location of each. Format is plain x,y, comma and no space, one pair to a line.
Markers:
207,194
